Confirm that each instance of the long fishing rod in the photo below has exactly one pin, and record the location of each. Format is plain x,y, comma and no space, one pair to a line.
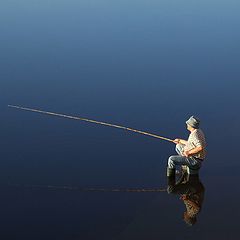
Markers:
90,120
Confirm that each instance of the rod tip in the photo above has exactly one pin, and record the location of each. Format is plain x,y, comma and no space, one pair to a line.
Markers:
13,106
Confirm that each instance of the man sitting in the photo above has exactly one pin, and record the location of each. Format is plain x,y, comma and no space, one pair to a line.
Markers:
191,152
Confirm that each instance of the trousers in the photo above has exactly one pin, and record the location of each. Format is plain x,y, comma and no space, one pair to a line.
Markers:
179,160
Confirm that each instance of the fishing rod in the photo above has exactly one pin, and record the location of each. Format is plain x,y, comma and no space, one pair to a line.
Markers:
91,121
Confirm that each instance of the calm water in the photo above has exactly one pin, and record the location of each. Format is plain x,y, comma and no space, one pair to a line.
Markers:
144,64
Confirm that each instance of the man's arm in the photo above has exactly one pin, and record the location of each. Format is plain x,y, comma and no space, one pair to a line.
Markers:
192,151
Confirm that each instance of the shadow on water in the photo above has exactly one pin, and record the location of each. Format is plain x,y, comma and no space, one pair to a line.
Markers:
189,187
80,189
191,192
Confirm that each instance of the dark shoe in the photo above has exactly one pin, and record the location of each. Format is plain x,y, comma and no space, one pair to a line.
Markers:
170,178
171,182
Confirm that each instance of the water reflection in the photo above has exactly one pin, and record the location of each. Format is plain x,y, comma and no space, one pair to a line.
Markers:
191,191
89,189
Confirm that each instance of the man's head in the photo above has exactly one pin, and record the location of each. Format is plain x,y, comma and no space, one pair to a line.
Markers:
193,123
189,220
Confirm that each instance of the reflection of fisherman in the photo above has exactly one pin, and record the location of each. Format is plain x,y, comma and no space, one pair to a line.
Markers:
192,152
191,191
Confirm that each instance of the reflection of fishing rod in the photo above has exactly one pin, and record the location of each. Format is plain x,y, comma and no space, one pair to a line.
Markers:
71,188
92,121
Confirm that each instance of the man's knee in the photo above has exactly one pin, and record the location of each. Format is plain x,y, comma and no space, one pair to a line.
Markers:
170,159
179,148
171,163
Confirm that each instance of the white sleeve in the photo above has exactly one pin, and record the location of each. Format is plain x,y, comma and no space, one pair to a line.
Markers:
198,141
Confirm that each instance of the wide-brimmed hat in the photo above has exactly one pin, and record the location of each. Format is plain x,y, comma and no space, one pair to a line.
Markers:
193,122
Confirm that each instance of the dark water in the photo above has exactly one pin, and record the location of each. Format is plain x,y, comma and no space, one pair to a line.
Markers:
144,64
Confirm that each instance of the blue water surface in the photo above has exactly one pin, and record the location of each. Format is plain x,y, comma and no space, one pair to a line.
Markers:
148,65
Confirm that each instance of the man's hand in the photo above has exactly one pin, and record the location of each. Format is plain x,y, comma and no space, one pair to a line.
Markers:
177,140
186,153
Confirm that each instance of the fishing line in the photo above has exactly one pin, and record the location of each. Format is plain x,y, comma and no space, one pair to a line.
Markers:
90,120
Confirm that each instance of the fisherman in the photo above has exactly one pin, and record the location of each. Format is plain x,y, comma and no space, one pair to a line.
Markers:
191,152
